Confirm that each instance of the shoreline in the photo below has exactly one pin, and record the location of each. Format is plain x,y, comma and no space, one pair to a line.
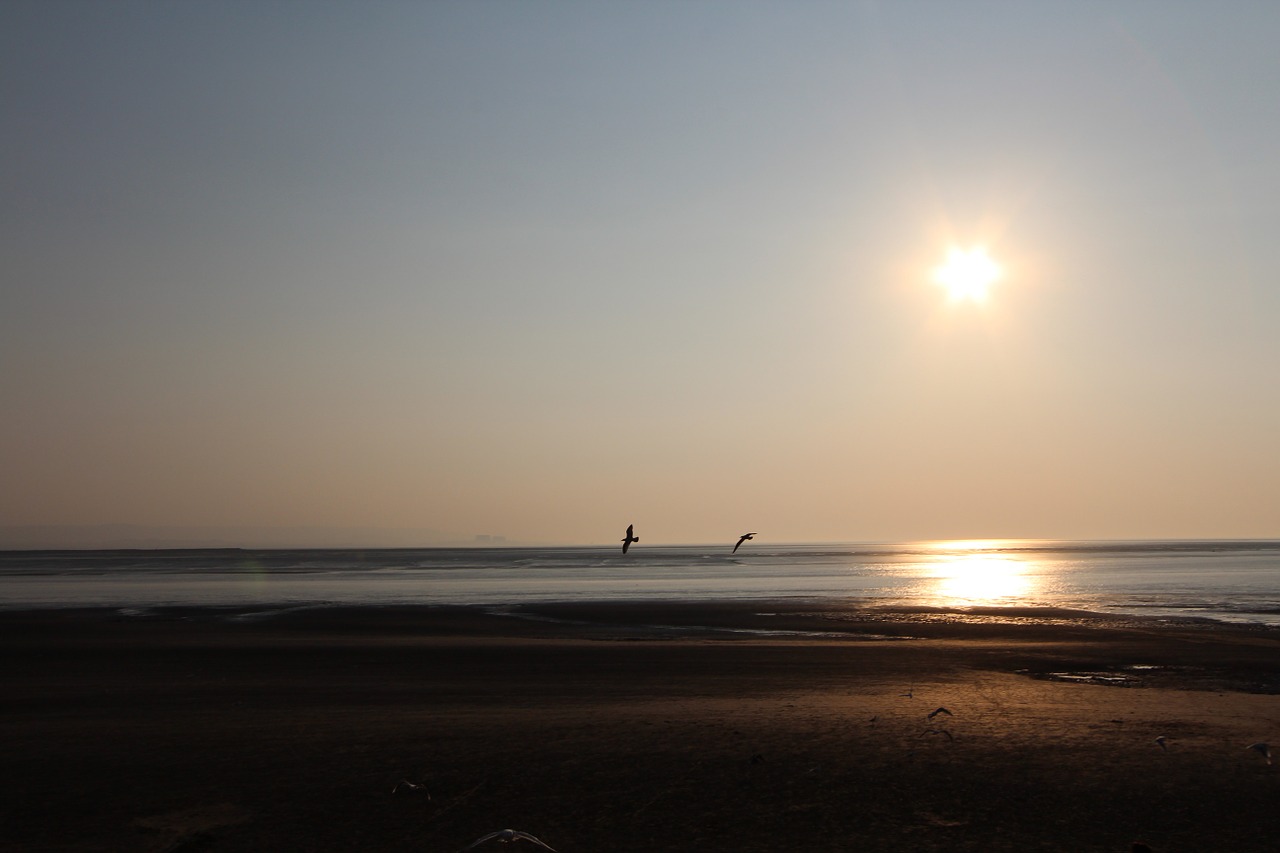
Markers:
634,726
1039,642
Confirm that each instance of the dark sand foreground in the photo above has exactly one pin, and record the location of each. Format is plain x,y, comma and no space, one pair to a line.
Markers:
207,731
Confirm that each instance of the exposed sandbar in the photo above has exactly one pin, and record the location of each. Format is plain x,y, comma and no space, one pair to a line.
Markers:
635,726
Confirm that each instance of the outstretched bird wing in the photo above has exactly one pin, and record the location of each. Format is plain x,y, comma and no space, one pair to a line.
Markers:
507,836
527,837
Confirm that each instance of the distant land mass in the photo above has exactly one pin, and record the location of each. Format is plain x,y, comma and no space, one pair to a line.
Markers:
108,536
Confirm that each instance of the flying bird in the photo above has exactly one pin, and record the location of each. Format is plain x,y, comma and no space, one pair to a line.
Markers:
626,543
1161,741
411,787
743,538
508,836
1262,749
938,711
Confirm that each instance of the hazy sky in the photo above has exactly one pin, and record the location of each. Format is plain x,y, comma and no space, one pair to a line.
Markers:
544,269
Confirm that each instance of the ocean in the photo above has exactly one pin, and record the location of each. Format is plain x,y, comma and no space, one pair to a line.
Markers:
1230,581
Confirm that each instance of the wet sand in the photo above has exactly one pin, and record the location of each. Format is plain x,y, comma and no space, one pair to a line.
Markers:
634,727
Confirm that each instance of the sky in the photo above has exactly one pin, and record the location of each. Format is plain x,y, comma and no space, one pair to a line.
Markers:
413,273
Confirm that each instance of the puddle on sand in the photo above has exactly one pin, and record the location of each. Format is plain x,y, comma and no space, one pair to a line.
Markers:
1107,678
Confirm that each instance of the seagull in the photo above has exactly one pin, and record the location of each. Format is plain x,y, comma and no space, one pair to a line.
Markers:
507,836
1262,749
626,543
405,784
1161,741
938,711
743,538
937,732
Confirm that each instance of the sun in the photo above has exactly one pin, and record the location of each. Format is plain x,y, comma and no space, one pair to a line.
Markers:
967,274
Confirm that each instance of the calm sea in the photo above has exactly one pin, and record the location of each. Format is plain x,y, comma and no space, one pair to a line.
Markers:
1234,581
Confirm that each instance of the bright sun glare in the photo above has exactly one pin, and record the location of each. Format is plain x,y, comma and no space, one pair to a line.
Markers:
967,274
981,578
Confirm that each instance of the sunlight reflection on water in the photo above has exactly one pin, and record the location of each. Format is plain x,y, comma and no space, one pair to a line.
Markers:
1232,581
981,579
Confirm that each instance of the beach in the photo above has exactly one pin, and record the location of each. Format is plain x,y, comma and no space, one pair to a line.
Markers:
630,726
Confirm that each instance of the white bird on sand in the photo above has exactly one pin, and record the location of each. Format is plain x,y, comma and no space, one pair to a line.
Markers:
1262,749
743,538
508,836
626,543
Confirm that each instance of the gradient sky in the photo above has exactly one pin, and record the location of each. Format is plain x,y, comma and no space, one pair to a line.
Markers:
544,269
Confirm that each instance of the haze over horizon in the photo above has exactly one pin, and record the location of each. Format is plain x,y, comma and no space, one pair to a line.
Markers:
542,270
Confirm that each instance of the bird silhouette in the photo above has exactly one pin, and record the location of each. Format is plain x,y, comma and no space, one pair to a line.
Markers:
508,836
1262,749
626,543
743,538
938,711
411,787
1163,742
